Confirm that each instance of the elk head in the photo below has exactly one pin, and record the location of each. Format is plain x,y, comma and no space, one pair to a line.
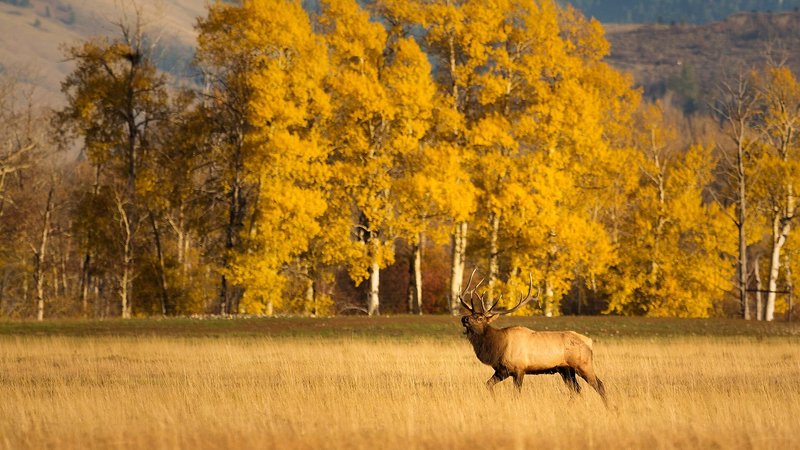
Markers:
478,319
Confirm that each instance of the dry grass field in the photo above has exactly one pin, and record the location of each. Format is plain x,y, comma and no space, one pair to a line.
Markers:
219,390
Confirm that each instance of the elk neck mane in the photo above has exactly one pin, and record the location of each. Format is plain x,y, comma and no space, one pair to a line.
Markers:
489,347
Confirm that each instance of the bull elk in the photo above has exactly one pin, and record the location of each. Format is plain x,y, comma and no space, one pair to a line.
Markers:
519,351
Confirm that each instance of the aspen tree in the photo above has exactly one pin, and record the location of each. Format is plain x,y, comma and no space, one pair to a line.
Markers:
736,107
381,98
780,167
270,66
673,264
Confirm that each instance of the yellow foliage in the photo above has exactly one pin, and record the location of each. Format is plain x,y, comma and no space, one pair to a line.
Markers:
383,100
528,124
280,62
675,262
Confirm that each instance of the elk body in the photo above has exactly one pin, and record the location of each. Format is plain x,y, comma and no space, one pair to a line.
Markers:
518,351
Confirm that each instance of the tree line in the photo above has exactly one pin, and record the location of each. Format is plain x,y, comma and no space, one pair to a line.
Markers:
321,149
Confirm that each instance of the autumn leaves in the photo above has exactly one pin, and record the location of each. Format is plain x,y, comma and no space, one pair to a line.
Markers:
322,136
412,120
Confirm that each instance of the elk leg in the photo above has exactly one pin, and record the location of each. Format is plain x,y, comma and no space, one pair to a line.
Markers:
568,375
594,382
496,378
518,377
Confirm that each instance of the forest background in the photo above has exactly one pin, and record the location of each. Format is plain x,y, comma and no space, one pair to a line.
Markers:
342,157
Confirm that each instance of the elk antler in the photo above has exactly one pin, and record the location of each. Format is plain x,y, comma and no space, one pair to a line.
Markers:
522,300
461,295
494,304
480,297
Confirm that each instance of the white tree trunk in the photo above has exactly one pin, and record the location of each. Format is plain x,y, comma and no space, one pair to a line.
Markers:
759,289
780,231
415,284
459,250
123,293
39,256
373,302
127,259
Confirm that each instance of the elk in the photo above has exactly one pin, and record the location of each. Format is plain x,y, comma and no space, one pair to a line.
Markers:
519,351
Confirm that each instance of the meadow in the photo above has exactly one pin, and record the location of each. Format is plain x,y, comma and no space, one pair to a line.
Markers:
399,382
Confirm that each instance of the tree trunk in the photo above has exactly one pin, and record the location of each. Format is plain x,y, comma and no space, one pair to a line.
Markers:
373,302
86,264
787,267
742,273
780,231
459,251
64,280
549,306
415,277
223,292
162,272
85,284
39,256
270,309
124,282
235,208
310,295
127,260
759,289
55,281
411,290
741,220
494,222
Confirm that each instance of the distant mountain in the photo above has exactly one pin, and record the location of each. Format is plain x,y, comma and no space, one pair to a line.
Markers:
688,59
691,60
675,11
34,32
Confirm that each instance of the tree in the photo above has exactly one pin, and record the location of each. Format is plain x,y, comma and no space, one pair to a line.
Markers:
177,196
226,65
425,191
779,166
674,263
381,99
114,97
265,79
284,158
736,109
447,40
26,199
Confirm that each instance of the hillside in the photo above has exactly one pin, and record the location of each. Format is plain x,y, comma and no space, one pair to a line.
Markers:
690,60
686,58
676,11
33,33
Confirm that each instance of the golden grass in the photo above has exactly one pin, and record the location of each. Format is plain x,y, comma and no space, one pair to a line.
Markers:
159,392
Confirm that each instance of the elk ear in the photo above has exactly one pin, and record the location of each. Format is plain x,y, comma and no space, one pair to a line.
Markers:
491,318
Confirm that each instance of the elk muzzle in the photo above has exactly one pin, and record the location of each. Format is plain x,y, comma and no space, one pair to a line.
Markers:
465,323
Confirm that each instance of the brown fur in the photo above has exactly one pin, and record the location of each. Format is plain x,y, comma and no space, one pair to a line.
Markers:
517,351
